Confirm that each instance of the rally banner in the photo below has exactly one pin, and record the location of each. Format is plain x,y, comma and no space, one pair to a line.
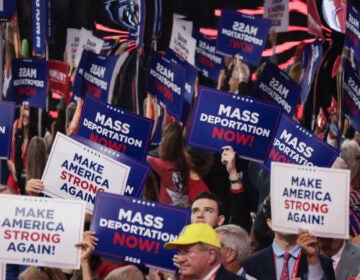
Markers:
40,231
39,29
7,9
74,171
113,127
183,43
7,110
351,87
96,75
59,81
310,198
166,80
139,170
242,34
72,43
29,81
135,231
313,19
87,41
190,81
158,19
278,13
352,31
276,85
208,62
221,118
295,144
311,61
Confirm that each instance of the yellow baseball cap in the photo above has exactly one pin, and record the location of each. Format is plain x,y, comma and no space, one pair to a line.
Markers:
195,233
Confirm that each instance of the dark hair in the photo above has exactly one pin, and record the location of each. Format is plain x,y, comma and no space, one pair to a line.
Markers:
266,208
212,196
36,158
172,148
200,161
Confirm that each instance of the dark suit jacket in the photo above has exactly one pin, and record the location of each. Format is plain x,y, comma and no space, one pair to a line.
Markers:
224,274
261,266
349,265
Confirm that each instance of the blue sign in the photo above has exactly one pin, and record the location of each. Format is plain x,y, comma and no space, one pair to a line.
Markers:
39,29
295,144
29,82
311,61
158,18
50,21
208,62
352,34
351,86
7,9
135,231
166,80
94,75
221,118
242,34
139,171
120,130
277,86
190,80
7,110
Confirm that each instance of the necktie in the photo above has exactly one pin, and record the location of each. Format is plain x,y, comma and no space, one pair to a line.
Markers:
285,268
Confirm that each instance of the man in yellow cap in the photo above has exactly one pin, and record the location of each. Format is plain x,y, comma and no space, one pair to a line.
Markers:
199,254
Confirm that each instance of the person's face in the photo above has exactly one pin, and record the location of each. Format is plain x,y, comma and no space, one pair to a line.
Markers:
194,261
206,211
26,115
330,246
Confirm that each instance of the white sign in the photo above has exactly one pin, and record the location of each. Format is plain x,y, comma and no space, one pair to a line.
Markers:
72,43
183,43
75,171
312,198
2,271
278,12
89,42
40,231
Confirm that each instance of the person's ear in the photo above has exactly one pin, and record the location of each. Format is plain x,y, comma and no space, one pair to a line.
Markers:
212,255
269,223
221,220
231,255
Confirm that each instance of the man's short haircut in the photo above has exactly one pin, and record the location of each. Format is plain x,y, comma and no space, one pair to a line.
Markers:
236,238
212,196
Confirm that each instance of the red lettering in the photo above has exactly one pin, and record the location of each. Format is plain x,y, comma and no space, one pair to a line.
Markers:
108,143
132,242
231,136
93,90
278,157
306,206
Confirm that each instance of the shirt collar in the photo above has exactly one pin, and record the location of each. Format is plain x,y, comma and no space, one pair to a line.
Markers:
294,252
212,272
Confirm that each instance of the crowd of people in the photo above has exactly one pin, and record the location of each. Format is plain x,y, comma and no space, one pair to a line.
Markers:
230,235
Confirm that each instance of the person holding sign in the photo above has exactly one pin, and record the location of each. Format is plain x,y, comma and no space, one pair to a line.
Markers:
292,255
24,129
172,165
199,253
